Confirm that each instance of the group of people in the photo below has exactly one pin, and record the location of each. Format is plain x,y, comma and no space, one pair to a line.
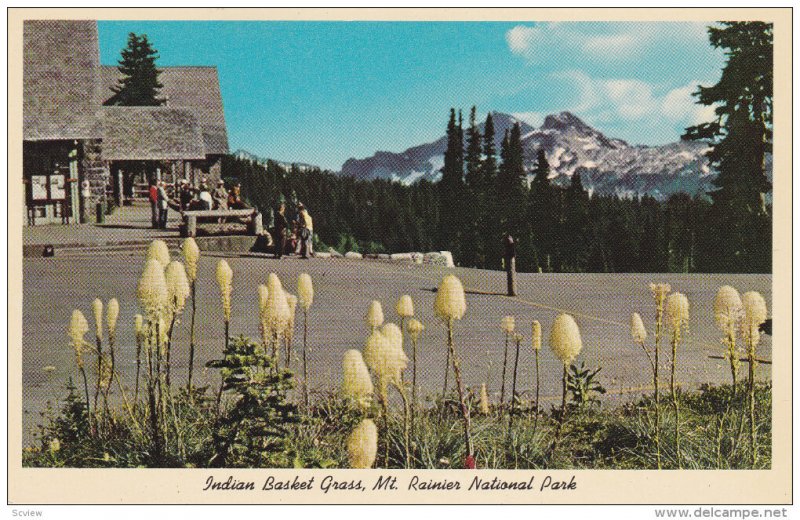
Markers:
191,198
299,238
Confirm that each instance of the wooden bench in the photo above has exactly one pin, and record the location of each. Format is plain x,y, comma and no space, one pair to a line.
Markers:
191,219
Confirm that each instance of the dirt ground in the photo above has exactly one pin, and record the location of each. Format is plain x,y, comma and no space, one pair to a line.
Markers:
601,304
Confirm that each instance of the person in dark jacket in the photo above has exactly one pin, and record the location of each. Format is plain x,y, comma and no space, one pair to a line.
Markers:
281,225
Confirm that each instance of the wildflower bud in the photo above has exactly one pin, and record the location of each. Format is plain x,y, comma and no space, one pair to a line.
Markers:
415,328
152,290
660,291
375,314
78,327
536,335
362,445
138,324
225,281
484,400
405,306
727,308
755,313
277,307
507,324
357,383
177,286
638,331
291,302
97,310
55,445
305,291
158,250
565,339
112,314
191,255
450,301
677,311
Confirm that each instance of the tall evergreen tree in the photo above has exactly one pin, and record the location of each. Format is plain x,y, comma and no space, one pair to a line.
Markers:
575,226
472,159
738,237
139,85
451,186
543,213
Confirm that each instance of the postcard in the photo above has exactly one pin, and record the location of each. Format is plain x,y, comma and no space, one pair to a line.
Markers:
399,256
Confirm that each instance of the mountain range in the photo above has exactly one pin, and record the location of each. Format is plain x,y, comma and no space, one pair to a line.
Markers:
606,165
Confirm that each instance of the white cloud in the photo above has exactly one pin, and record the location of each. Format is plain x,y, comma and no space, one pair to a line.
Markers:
632,100
607,41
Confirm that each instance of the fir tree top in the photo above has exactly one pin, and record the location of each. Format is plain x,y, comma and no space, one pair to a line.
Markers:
139,85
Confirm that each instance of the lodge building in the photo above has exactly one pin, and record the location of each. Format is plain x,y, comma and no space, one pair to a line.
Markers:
78,151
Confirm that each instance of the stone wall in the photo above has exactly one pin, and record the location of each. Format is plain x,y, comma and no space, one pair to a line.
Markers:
94,169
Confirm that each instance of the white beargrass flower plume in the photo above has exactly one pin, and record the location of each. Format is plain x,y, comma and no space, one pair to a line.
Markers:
362,445
507,324
97,310
158,250
305,291
191,255
728,314
374,315
678,316
112,315
277,313
152,290
78,327
638,330
536,335
450,305
755,313
178,288
415,328
225,282
565,339
405,306
357,384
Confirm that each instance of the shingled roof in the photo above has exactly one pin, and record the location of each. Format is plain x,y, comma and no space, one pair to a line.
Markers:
60,80
192,88
151,134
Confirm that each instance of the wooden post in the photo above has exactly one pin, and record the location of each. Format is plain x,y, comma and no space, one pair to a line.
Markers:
120,188
511,264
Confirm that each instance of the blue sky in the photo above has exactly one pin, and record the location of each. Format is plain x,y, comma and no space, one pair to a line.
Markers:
321,92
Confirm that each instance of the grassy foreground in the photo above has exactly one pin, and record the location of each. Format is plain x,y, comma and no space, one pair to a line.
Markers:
257,424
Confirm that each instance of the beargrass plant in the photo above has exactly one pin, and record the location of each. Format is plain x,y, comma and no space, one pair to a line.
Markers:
755,313
191,257
78,327
362,445
305,293
277,314
507,326
178,289
518,342
566,343
659,292
415,328
678,316
536,344
450,305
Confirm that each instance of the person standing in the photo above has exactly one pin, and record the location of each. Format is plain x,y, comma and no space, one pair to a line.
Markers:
154,213
163,205
281,227
306,231
220,195
235,198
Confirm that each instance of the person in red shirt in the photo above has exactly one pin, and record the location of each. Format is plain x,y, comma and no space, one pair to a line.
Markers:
154,213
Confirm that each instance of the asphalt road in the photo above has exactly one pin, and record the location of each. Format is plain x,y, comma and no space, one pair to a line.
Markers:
601,304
